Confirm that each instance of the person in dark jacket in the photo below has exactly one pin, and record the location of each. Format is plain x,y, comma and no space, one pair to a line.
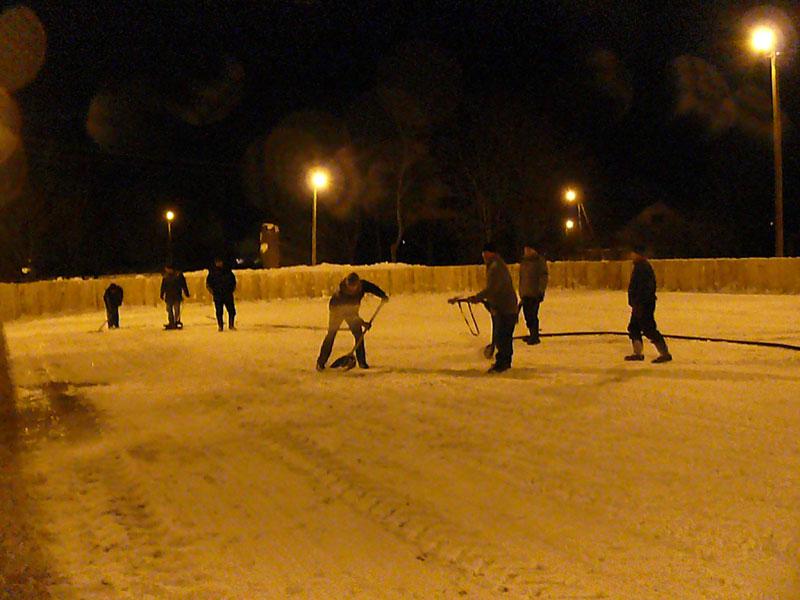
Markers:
642,300
112,298
221,282
173,289
343,306
501,300
532,286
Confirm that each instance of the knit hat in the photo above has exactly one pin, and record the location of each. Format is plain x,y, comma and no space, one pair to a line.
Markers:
490,247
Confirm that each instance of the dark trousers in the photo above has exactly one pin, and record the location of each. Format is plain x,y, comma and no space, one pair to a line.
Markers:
226,302
643,322
503,337
348,313
530,308
173,312
112,315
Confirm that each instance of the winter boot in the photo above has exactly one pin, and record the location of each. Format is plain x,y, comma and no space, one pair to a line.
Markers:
231,325
663,353
638,346
498,368
320,365
219,327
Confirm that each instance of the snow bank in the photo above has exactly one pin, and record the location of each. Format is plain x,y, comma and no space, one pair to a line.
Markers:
753,275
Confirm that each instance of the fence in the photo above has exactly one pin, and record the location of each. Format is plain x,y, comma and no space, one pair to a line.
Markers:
751,275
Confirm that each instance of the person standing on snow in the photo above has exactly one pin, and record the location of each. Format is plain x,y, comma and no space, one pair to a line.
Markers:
221,282
112,298
501,301
173,289
642,300
532,286
343,306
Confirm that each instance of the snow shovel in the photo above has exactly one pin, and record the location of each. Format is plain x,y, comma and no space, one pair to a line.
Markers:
348,361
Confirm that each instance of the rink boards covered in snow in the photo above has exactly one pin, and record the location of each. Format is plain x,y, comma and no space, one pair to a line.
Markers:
774,275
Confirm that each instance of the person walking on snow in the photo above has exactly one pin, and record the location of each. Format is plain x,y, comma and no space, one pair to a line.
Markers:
532,286
173,289
343,306
501,301
221,283
112,298
642,300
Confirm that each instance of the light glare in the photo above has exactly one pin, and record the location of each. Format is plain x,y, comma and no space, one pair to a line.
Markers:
319,179
764,39
170,216
569,224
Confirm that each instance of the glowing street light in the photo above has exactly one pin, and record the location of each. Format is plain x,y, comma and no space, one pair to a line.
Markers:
569,225
764,40
170,217
573,196
319,180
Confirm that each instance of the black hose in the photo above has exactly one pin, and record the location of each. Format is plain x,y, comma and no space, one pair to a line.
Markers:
695,338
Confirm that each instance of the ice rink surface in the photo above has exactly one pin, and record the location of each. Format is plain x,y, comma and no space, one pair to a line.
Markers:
206,465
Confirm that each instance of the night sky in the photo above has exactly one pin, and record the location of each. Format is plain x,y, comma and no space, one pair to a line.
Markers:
218,108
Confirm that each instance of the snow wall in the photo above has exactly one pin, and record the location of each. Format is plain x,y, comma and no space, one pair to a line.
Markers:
750,275
7,404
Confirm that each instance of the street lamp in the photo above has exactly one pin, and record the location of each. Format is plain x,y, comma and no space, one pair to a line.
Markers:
764,40
170,217
319,181
569,225
572,196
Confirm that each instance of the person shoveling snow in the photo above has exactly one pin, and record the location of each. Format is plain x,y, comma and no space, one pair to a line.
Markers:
343,306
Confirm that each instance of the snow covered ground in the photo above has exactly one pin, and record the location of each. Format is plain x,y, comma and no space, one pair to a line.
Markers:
198,464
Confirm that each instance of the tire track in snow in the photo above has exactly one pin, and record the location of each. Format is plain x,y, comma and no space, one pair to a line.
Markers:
424,527
115,514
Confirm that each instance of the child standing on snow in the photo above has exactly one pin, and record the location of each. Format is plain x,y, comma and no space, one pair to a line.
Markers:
112,298
173,289
343,306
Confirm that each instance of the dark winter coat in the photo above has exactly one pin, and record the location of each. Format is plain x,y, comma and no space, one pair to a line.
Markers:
499,293
113,296
221,282
532,276
642,286
173,287
343,296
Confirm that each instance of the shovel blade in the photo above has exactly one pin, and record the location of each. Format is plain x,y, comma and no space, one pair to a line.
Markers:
346,362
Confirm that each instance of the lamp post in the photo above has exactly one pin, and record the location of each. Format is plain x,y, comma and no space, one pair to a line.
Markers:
765,41
573,196
169,216
319,181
